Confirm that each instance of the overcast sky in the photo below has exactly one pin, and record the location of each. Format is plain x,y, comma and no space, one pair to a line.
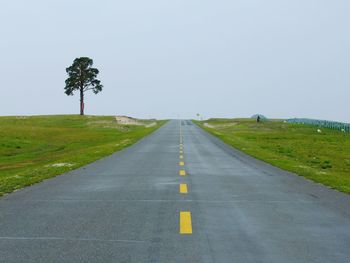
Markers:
169,59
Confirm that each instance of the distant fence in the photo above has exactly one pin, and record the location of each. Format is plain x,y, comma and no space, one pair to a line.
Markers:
341,126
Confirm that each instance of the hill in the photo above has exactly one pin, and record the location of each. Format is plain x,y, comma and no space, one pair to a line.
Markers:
322,157
35,148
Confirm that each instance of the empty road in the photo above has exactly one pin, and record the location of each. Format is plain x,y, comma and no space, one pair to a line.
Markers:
179,195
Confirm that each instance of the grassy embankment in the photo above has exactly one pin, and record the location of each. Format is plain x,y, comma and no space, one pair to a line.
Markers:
39,147
322,157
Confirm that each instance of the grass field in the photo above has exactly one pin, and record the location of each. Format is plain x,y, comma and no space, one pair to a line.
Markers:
39,147
322,157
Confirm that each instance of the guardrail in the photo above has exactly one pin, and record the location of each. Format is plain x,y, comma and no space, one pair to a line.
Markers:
341,126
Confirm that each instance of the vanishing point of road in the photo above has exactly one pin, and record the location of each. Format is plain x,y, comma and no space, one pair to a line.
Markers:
179,195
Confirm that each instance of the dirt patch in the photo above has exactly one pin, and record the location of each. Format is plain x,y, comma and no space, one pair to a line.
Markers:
125,120
151,124
220,125
60,165
208,125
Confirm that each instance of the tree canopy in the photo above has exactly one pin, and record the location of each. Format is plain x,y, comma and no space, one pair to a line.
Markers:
82,77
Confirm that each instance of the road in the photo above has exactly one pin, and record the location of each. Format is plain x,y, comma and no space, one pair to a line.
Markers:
178,195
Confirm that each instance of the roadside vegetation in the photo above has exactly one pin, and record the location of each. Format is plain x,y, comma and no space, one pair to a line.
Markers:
39,147
322,156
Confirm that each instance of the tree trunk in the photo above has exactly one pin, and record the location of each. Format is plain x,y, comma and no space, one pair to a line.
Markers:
81,102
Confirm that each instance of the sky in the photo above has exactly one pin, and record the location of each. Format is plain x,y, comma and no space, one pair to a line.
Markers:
174,59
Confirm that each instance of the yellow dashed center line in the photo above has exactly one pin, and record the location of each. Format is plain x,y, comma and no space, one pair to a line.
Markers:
185,216
185,222
183,189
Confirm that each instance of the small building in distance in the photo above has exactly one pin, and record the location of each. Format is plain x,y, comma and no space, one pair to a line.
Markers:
262,117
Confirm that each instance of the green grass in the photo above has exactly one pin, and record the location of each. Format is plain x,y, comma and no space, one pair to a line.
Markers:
322,157
39,147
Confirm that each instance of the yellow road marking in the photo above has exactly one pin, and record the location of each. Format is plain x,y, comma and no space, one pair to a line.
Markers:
185,222
183,189
181,152
181,156
182,172
181,163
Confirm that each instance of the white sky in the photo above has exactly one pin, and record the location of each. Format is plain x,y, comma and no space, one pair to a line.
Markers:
169,59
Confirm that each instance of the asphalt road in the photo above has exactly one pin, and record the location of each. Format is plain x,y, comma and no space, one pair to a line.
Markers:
130,207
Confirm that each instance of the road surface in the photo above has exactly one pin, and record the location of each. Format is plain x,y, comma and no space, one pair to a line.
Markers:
178,195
